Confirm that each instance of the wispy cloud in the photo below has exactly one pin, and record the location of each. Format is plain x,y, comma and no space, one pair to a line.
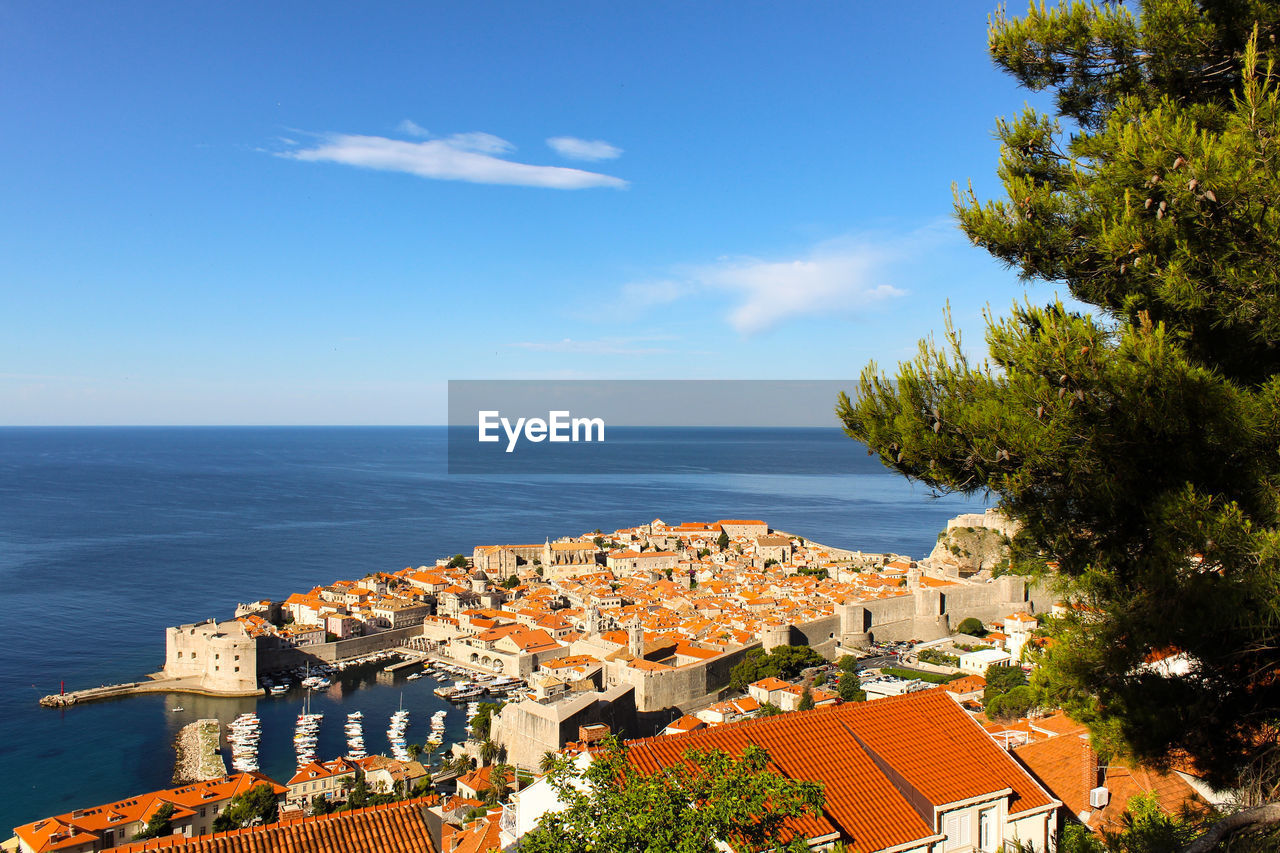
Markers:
409,127
600,346
842,277
472,157
836,277
584,149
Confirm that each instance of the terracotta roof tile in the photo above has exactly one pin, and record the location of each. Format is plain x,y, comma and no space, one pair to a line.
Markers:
925,737
392,828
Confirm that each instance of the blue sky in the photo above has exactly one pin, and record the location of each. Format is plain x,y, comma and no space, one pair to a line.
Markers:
309,213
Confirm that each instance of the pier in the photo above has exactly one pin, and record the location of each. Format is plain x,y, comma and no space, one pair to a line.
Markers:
412,657
135,688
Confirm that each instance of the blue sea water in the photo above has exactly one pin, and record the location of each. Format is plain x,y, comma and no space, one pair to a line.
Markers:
108,535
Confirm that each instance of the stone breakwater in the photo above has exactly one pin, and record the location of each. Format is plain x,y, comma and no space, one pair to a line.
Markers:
157,684
197,753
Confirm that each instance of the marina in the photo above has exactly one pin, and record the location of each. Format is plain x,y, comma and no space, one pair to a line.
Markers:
355,736
396,735
243,735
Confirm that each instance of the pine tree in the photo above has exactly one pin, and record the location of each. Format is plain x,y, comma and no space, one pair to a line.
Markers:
1137,445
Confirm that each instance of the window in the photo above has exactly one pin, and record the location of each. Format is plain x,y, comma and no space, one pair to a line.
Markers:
956,827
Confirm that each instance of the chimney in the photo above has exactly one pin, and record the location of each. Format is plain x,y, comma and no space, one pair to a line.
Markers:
1088,765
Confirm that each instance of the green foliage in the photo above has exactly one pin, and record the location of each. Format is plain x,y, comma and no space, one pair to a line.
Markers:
482,722
820,679
511,582
930,677
611,806
499,788
847,663
358,797
159,825
770,562
722,541
1000,680
704,552
1147,829
1076,838
938,658
1012,704
598,541
781,662
971,626
806,700
320,805
817,572
255,806
458,561
1136,447
850,690
768,709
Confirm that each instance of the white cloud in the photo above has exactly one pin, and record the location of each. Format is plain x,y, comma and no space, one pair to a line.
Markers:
838,277
599,346
409,127
844,276
584,149
467,157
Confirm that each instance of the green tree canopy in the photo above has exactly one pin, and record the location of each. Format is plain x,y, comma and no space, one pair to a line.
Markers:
611,806
780,662
1000,680
255,806
1137,445
1012,704
971,626
850,690
482,722
159,824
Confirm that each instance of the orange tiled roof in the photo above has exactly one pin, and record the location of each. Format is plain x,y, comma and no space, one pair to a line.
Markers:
924,737
965,684
479,836
1067,766
391,828
322,770
86,825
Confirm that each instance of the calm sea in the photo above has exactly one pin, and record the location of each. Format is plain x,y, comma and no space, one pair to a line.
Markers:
108,535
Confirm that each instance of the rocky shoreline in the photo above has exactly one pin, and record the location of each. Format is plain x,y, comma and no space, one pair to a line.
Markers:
198,758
